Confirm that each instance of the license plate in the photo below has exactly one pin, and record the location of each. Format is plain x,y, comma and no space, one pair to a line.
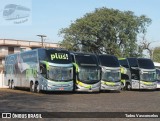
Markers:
61,88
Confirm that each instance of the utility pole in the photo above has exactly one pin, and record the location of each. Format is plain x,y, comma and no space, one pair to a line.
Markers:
42,39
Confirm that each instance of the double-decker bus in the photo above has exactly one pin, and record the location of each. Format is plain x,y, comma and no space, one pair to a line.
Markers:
111,76
157,66
143,74
158,78
12,11
86,72
40,69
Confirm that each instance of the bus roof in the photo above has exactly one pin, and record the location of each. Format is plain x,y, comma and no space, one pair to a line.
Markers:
85,59
108,60
82,53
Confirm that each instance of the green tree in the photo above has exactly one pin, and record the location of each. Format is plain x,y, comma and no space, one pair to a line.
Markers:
156,54
106,31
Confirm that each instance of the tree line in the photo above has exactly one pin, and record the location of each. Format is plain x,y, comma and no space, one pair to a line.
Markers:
108,31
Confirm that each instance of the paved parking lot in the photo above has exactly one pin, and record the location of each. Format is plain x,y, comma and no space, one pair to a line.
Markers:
125,101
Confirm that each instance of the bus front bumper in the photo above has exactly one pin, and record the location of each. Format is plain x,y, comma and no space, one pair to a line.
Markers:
56,86
81,87
148,86
110,85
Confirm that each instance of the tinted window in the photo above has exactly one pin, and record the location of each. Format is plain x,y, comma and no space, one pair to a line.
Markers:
145,63
133,62
11,59
42,54
124,63
109,61
86,60
29,56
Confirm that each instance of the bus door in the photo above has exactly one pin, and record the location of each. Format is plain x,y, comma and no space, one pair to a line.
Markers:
135,78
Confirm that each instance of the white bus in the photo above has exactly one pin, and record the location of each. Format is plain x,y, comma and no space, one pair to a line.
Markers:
157,66
111,76
142,74
86,72
40,69
12,11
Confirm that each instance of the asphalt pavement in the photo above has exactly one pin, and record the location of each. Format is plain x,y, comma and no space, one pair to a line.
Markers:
107,102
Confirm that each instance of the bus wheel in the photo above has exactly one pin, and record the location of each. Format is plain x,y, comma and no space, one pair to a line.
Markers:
12,85
37,88
31,87
128,86
9,84
122,86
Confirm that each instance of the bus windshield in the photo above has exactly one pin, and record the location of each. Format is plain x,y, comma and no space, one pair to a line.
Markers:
148,76
87,74
145,63
109,61
111,76
60,73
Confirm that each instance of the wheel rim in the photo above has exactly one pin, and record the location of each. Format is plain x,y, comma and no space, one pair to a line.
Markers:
12,85
129,87
31,87
37,88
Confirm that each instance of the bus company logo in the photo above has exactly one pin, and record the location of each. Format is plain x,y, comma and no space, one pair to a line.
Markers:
15,13
59,56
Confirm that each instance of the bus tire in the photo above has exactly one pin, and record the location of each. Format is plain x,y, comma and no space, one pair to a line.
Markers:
9,84
37,88
123,86
74,87
12,85
128,86
31,87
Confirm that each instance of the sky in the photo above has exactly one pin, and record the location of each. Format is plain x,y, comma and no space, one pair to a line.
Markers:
48,17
